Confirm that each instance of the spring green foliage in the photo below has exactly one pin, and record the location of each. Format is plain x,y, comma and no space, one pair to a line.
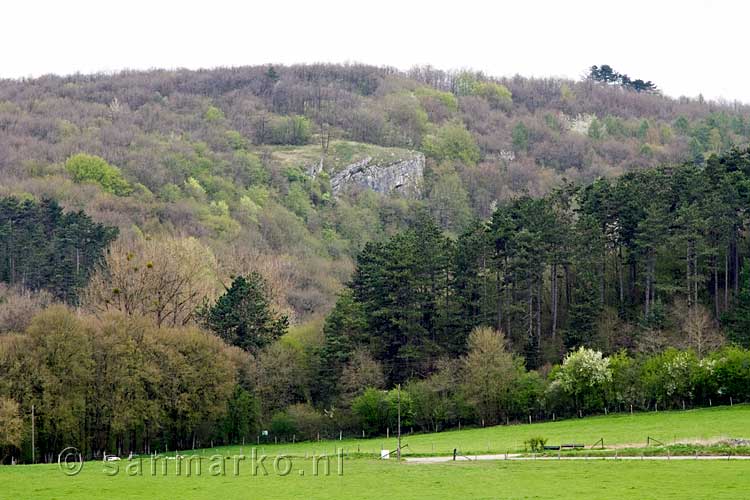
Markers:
447,199
520,136
467,84
214,114
97,384
294,130
371,409
536,444
445,99
491,375
90,168
11,424
626,266
452,141
188,142
242,416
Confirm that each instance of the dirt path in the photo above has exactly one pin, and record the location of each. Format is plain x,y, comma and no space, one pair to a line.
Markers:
518,457
437,460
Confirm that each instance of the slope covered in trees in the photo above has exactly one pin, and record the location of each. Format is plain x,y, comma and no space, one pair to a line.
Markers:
575,247
224,155
649,260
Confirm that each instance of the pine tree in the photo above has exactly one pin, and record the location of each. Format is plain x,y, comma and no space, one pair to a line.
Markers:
737,320
244,315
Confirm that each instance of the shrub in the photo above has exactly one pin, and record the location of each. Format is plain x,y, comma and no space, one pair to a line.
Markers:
584,375
625,387
407,412
283,425
497,94
535,444
18,307
308,421
294,130
214,114
668,377
452,141
241,421
731,368
90,168
527,393
371,410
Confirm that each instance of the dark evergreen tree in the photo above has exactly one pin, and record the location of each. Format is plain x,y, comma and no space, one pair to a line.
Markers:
403,287
737,320
345,328
42,247
244,315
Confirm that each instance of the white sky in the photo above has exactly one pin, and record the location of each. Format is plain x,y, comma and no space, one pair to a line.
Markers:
686,47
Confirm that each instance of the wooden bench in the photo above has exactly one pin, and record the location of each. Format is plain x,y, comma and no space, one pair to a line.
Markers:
565,447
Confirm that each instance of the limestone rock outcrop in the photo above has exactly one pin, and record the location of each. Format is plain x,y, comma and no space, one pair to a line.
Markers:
402,176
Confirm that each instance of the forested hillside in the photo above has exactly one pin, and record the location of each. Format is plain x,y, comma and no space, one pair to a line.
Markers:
229,156
191,256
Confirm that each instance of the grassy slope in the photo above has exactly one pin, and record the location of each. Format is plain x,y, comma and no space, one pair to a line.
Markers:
368,478
340,154
667,427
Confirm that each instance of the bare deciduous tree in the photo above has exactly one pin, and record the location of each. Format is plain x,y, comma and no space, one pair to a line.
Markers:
699,330
165,280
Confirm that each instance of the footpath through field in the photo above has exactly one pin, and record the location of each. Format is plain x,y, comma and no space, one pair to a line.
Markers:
519,457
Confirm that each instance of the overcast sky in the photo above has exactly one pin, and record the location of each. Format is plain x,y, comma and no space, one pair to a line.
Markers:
686,47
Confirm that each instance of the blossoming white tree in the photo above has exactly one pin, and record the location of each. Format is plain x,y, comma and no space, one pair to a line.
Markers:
584,374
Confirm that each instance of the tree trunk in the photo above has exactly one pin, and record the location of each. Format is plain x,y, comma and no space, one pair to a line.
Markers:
688,277
695,277
726,280
554,299
499,289
716,286
619,275
530,309
736,266
539,313
602,278
647,296
509,294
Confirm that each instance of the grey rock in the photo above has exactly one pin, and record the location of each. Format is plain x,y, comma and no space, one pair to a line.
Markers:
401,176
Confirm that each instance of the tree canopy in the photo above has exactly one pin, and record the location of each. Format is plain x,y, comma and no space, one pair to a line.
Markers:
244,316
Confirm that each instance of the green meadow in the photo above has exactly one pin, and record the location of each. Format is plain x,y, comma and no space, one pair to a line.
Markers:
357,475
368,478
614,429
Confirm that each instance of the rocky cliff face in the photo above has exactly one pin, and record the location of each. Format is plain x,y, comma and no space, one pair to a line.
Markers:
401,176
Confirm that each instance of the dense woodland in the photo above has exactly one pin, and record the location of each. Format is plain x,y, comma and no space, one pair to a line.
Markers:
174,277
206,154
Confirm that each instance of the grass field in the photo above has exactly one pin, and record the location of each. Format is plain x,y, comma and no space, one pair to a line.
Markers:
366,478
370,478
619,429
